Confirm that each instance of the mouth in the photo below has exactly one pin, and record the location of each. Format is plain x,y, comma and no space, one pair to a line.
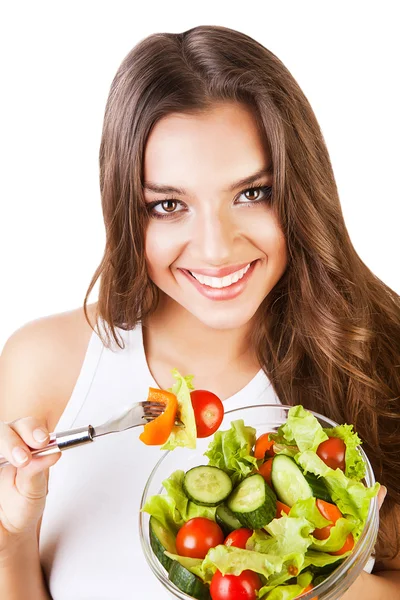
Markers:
221,288
220,282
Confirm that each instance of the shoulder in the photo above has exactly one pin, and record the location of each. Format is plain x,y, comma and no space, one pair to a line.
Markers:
40,364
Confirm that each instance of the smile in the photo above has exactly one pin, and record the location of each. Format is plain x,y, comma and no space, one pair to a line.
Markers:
221,282
222,288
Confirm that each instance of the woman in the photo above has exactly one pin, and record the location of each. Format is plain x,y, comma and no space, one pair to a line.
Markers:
227,256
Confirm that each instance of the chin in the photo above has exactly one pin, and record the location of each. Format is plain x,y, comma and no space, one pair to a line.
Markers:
226,318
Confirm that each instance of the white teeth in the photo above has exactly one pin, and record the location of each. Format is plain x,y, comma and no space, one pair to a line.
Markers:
221,282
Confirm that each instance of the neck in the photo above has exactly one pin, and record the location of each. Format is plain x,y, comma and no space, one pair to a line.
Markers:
170,332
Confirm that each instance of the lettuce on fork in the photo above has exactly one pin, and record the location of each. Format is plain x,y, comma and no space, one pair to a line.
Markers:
187,435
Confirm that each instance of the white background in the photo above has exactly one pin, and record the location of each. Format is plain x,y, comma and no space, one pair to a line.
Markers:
57,62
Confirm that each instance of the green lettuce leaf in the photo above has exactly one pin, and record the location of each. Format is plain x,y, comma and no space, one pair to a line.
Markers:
231,451
337,536
308,509
355,466
350,496
294,565
174,508
289,535
301,429
322,559
231,560
187,435
287,592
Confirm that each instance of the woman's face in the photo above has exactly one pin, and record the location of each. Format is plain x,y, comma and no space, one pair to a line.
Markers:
213,245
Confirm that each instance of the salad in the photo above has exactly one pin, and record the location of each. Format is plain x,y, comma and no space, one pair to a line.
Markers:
268,517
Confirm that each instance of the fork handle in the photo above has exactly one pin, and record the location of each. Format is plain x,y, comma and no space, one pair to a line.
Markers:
59,442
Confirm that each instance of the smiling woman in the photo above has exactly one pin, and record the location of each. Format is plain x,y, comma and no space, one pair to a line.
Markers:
226,257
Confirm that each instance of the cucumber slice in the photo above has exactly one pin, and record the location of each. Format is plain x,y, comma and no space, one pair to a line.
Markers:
226,519
318,486
161,539
189,583
253,502
207,486
288,480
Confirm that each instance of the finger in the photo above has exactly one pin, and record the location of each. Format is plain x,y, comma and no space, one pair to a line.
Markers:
12,446
381,495
32,430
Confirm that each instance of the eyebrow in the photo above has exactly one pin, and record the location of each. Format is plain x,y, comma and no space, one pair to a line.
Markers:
168,189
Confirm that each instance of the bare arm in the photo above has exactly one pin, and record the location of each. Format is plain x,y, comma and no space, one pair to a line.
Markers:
385,585
39,366
21,575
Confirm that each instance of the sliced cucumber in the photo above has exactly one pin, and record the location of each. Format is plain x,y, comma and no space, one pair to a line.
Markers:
226,519
253,502
207,486
161,539
288,480
189,583
318,486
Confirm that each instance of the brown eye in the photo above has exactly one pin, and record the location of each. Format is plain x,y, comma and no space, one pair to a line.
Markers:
169,205
254,193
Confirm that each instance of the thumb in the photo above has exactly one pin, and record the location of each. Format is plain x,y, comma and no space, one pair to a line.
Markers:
381,495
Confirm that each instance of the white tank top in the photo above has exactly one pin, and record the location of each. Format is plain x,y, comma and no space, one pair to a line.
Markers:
89,543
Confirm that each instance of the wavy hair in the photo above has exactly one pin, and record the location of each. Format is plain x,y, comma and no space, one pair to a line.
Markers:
328,334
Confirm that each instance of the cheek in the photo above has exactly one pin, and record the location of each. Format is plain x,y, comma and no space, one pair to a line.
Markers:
268,236
161,248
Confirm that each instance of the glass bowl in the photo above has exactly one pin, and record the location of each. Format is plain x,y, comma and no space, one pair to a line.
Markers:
263,417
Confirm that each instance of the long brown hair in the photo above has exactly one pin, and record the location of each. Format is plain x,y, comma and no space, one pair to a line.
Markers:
328,334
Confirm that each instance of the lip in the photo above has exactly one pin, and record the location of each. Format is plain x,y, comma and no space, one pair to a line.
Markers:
221,272
226,293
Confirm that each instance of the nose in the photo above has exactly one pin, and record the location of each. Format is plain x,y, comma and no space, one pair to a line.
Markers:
213,237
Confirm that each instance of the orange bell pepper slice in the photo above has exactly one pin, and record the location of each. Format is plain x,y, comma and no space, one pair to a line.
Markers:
280,506
265,470
308,589
157,432
348,545
264,446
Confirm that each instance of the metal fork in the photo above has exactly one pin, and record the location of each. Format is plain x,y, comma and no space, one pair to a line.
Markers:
136,415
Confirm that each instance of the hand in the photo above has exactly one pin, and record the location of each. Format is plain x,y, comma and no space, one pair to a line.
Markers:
23,484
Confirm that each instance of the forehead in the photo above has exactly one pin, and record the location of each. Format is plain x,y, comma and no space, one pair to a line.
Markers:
210,148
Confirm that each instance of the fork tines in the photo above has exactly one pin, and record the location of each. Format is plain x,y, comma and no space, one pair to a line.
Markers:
152,410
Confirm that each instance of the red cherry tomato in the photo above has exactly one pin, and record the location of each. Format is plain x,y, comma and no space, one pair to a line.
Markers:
265,470
208,412
332,451
280,506
238,538
229,587
197,536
